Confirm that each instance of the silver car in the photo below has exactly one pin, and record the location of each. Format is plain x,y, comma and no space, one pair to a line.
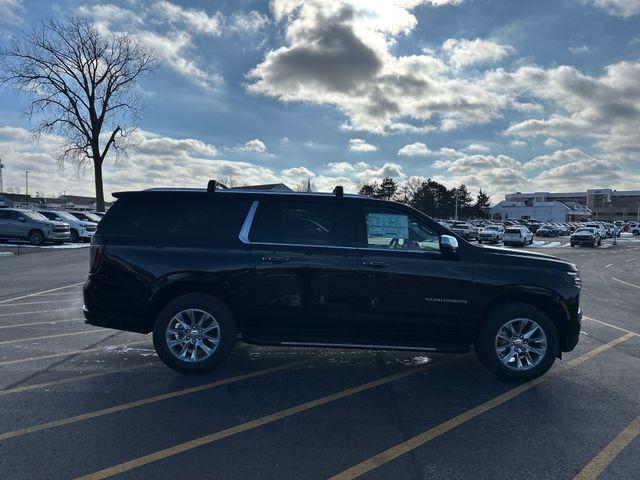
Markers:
30,225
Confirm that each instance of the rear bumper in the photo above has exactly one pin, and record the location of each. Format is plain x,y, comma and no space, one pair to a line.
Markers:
128,324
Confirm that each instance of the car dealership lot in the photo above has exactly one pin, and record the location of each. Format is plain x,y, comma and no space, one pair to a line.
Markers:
77,400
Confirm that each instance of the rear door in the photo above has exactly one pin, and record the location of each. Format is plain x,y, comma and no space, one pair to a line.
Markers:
304,268
411,293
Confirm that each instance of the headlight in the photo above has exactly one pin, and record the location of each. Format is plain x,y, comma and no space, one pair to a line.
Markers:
574,278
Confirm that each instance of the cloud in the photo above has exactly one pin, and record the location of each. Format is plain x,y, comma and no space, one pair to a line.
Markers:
248,22
339,53
579,50
559,157
254,145
360,145
552,142
195,20
620,8
11,12
477,147
463,53
518,143
414,150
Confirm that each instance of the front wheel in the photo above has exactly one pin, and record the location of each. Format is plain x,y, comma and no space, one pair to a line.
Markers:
36,237
74,237
517,342
194,333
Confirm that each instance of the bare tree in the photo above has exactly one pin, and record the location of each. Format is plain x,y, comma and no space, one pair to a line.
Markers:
82,86
306,186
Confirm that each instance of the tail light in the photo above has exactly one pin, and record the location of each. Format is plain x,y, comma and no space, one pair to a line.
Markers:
96,252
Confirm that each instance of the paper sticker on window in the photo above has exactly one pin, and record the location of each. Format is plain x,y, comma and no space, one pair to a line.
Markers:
386,225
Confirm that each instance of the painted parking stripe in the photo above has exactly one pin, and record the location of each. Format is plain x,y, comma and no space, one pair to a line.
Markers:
145,401
57,335
46,322
68,354
626,283
40,293
609,453
434,432
40,311
38,303
250,425
610,325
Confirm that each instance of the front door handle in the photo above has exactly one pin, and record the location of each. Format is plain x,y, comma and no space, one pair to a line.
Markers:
376,264
276,259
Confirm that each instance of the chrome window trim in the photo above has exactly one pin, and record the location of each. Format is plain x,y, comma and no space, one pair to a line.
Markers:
246,226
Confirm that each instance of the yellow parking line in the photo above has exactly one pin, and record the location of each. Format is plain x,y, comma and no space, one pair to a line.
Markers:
47,322
608,454
40,293
57,335
38,303
68,354
39,311
434,432
77,378
243,427
145,401
612,326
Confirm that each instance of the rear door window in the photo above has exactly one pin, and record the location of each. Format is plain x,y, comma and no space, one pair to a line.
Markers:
303,223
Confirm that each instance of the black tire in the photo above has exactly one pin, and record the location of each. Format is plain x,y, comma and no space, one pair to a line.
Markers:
599,242
573,245
36,237
485,343
228,331
479,241
74,236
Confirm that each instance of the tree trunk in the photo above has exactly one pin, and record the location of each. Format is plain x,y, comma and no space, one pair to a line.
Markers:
97,170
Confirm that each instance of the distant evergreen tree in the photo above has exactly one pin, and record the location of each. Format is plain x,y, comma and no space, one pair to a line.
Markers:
387,189
482,205
368,189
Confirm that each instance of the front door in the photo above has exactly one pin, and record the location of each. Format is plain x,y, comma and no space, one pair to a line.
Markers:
413,294
304,267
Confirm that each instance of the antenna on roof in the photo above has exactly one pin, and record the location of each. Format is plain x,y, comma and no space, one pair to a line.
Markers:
338,191
211,186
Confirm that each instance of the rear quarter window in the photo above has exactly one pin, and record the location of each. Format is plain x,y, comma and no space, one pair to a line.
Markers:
191,221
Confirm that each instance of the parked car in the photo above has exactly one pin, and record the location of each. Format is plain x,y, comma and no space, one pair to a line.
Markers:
547,231
86,216
517,236
30,225
200,268
79,229
492,233
635,229
465,230
599,228
586,236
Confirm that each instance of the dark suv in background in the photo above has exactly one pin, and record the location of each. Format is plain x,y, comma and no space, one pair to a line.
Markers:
202,268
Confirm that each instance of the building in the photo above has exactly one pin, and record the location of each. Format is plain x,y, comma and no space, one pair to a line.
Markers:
545,211
602,203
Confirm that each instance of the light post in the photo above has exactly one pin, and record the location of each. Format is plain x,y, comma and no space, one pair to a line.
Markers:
456,197
26,183
1,181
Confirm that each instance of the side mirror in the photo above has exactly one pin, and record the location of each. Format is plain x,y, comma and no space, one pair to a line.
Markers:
448,244
22,219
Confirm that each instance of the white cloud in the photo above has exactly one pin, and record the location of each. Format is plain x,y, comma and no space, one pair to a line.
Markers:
414,150
559,157
360,145
248,22
255,145
579,50
193,19
518,143
552,142
338,52
621,8
298,173
477,147
11,12
463,53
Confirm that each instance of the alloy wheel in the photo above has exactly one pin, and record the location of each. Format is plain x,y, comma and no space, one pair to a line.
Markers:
521,344
192,335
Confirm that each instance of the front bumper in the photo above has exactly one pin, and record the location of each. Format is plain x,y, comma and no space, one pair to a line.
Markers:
51,235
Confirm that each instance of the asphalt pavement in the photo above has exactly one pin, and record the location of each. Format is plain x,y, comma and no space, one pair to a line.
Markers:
80,401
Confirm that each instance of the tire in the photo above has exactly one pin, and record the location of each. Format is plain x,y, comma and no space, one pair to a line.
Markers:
74,237
487,342
36,237
599,242
479,242
226,333
573,245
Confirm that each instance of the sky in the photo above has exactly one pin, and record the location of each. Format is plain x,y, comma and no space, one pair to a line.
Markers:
503,95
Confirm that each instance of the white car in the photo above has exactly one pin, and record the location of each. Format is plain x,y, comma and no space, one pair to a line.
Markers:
518,235
599,228
80,229
491,233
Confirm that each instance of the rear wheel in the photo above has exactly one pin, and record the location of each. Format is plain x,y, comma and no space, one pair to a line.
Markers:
517,342
194,333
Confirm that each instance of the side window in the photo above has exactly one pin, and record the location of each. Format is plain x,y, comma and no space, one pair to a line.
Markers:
395,230
302,223
11,215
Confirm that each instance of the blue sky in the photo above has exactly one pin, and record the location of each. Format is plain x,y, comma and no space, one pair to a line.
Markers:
499,95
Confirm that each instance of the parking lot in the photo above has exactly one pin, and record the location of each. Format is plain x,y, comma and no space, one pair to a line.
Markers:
80,401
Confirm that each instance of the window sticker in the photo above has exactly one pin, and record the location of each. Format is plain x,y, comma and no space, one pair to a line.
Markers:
387,225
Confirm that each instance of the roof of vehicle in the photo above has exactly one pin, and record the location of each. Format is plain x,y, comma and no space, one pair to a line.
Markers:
235,191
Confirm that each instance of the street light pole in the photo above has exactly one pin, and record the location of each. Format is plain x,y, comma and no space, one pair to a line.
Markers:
26,182
1,180
456,197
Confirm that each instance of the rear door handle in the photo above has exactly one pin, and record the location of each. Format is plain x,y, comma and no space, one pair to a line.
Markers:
376,264
276,259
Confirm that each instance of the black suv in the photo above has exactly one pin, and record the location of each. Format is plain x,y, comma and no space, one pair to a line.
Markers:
202,268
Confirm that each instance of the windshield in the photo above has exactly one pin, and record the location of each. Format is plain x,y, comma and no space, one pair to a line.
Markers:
585,230
491,228
35,215
460,224
92,218
66,216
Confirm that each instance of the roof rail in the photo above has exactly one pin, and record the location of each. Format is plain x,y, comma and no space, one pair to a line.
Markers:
338,191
